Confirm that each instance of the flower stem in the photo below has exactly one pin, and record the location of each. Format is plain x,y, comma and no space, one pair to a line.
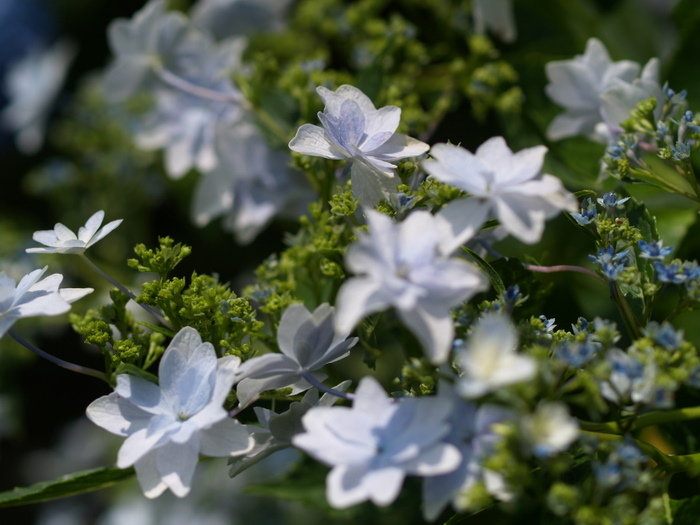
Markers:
186,86
563,268
124,290
323,388
57,361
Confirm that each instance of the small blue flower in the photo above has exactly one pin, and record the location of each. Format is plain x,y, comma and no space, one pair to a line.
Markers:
612,264
610,200
580,326
588,213
615,152
665,335
662,131
548,326
577,353
690,270
694,378
654,250
669,273
681,151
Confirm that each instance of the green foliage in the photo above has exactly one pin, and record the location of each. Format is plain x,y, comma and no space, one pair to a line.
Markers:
161,260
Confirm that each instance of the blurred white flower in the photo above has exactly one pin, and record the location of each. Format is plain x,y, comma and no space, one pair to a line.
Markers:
490,359
249,186
376,443
226,18
353,129
33,297
550,429
307,342
63,240
31,85
497,16
502,184
168,426
402,265
577,86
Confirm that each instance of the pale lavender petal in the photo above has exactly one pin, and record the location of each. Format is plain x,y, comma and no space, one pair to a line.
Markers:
226,438
311,140
176,465
149,478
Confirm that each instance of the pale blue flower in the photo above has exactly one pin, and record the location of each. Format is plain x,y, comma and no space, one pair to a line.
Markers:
631,381
502,184
577,86
226,18
307,342
472,432
654,250
490,359
497,16
276,430
63,240
588,213
151,39
33,297
31,85
168,426
372,446
670,273
250,185
353,129
403,265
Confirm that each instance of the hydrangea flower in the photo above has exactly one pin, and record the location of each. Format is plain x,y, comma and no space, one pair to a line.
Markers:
577,86
654,250
403,265
152,38
550,429
167,426
496,15
33,297
250,184
473,434
503,184
63,240
631,381
32,84
353,129
490,359
372,446
307,341
276,430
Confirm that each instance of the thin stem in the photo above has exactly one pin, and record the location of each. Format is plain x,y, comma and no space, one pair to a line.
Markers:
563,268
323,388
124,290
182,84
57,361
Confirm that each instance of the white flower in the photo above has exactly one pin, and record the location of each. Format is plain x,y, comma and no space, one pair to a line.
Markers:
250,184
63,240
374,444
168,426
355,130
402,265
550,429
31,85
307,342
631,380
496,15
32,297
577,85
502,184
490,360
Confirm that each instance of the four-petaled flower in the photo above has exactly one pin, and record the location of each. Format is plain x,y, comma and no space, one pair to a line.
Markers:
168,426
403,265
355,130
32,297
63,240
501,183
374,444
307,342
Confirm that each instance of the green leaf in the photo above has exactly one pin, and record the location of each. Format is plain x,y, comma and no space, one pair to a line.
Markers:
68,485
493,276
160,329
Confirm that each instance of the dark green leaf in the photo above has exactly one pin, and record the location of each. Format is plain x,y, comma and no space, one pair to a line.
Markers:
68,485
492,274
